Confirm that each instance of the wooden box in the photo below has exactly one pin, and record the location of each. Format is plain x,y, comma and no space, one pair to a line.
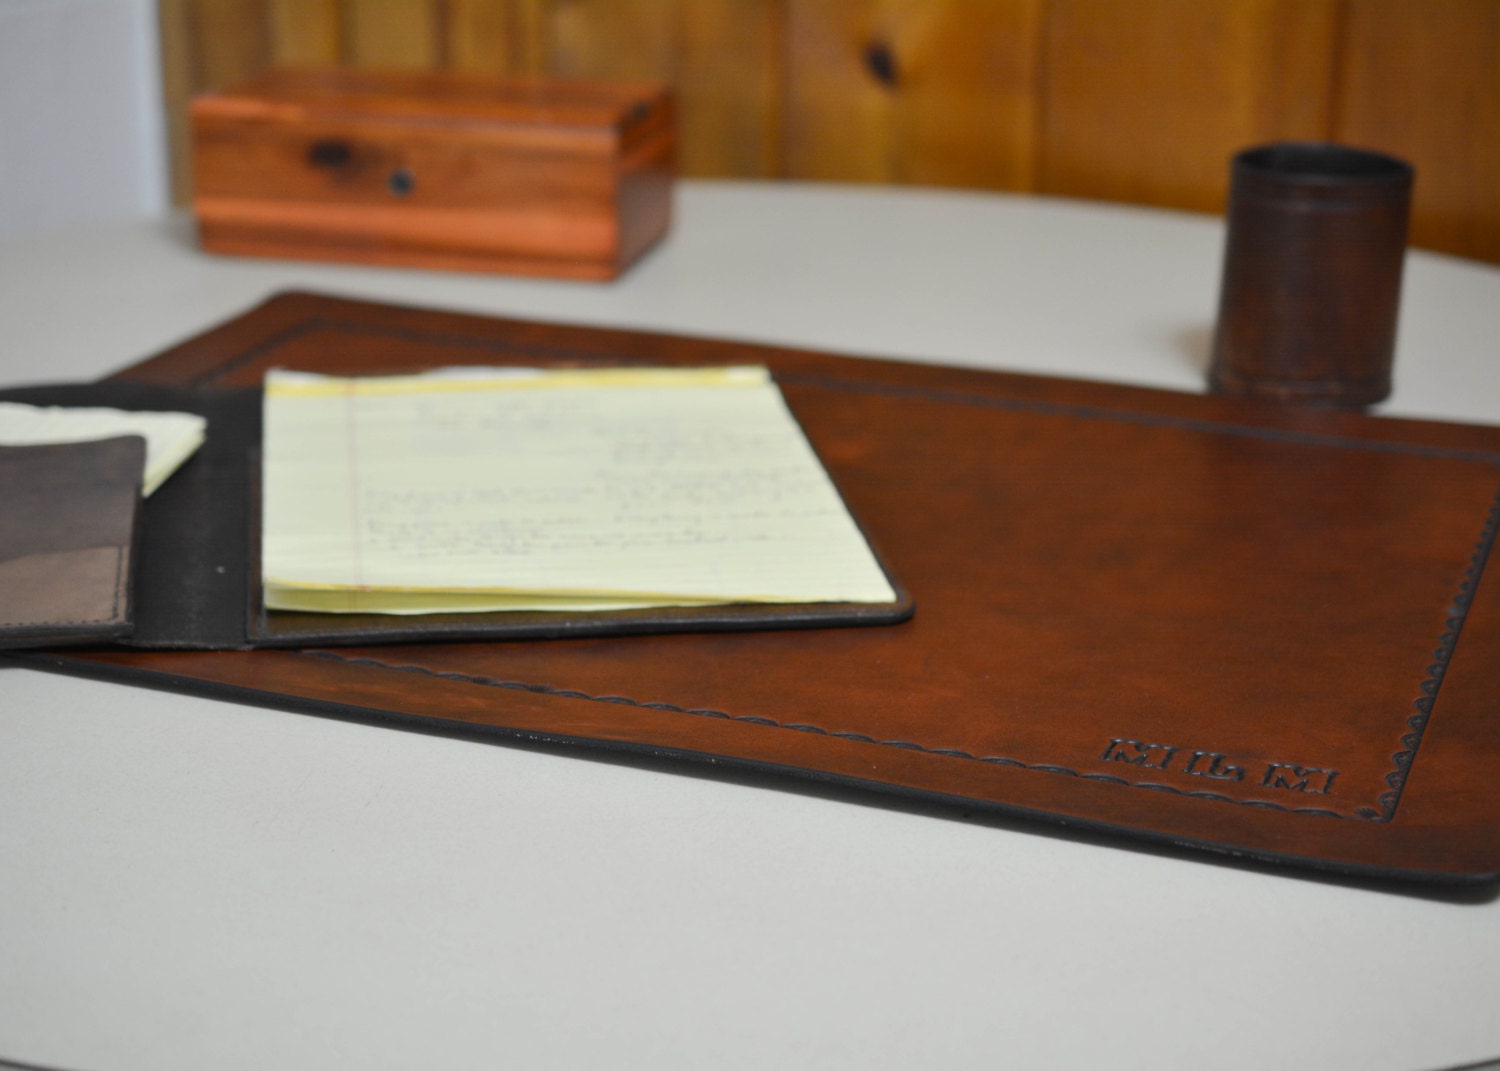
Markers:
531,176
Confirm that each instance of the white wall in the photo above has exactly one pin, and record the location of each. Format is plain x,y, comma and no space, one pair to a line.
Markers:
81,126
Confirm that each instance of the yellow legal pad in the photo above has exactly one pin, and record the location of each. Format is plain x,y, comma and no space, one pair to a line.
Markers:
570,490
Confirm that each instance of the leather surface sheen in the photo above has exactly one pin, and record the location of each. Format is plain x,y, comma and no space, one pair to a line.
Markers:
1222,624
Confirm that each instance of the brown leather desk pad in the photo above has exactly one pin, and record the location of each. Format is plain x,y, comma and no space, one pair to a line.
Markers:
1256,630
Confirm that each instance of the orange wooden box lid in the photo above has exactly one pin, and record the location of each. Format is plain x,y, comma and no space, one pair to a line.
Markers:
598,114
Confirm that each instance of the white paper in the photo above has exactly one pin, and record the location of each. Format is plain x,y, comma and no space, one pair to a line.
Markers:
171,438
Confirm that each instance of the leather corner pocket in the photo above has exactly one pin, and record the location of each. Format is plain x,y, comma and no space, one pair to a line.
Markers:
67,537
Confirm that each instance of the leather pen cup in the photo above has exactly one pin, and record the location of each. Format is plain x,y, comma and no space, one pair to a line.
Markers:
1312,274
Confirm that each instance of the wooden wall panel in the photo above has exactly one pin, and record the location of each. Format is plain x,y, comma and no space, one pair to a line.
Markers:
937,92
497,36
614,38
723,58
206,43
177,88
395,34
1127,100
305,33
232,39
1423,81
731,88
1146,101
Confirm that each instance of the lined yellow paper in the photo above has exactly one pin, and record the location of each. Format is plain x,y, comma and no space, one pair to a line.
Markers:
567,490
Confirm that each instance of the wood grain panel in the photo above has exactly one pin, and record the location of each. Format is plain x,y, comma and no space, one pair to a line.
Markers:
723,58
305,33
395,34
1146,101
231,40
730,88
1128,100
496,36
175,29
913,91
206,44
1423,81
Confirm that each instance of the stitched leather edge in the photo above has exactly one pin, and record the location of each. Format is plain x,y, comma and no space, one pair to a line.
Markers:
1402,759
114,608
936,394
803,727
1458,612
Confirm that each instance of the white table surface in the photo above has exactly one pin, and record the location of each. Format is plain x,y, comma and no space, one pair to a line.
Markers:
187,883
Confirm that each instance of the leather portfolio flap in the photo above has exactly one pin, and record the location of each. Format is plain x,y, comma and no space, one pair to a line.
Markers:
67,540
192,588
198,578
1257,630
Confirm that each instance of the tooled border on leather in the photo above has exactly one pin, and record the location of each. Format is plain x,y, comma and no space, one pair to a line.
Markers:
800,727
210,376
1416,723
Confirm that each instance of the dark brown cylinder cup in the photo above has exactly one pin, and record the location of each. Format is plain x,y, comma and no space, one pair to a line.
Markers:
1312,274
